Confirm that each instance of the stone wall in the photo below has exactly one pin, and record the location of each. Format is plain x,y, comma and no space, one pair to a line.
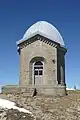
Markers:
35,49
45,90
53,57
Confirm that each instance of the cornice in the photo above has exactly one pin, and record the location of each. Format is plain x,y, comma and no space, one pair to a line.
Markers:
41,38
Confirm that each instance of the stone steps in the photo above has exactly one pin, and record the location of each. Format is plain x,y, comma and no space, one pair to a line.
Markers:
26,91
29,91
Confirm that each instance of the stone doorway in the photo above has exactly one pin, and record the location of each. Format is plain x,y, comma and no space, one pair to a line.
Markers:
38,73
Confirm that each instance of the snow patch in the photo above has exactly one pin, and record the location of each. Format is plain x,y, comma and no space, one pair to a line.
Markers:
11,105
70,89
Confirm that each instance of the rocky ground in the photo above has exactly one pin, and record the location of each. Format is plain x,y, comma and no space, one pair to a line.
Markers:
12,114
49,108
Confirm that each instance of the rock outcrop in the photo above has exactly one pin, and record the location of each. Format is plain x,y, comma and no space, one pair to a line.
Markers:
13,114
9,111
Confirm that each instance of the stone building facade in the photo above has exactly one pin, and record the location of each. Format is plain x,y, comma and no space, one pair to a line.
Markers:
42,61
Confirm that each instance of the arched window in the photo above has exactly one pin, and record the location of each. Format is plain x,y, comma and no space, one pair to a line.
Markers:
38,68
38,63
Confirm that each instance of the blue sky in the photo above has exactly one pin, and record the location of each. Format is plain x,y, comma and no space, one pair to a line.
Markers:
17,15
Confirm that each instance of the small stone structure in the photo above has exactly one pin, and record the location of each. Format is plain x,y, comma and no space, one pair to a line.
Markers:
42,62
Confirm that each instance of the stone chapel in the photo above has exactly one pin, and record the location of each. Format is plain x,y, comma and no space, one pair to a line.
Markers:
42,61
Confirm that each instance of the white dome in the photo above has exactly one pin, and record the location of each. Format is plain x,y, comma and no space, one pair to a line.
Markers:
45,29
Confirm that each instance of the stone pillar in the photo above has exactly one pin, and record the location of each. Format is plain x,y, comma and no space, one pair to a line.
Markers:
62,75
